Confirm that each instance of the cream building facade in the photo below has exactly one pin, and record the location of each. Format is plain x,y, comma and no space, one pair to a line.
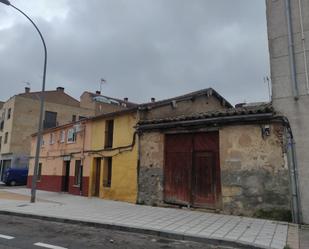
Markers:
19,117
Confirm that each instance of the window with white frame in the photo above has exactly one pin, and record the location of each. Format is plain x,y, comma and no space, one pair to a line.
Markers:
62,136
51,138
71,136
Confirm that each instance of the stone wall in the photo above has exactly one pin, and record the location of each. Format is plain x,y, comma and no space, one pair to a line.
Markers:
254,172
150,181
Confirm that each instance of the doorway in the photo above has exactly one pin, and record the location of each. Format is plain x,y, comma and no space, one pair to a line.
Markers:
97,176
192,169
5,165
66,176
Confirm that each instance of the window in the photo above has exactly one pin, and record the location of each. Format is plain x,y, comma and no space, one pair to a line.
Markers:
2,125
9,113
51,138
107,173
50,119
39,172
73,118
71,136
6,137
0,142
81,117
62,136
42,142
109,130
77,176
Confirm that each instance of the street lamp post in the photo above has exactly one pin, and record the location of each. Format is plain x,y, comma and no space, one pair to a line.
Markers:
40,128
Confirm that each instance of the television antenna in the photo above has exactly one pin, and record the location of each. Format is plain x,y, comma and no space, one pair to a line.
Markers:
267,80
102,81
27,83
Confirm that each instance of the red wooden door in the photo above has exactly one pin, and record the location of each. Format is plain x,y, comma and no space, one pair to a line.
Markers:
206,184
192,169
203,182
177,170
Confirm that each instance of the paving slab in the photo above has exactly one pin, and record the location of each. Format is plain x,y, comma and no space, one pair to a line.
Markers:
304,237
168,222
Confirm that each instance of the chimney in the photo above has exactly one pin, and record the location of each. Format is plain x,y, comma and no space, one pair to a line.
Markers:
239,105
126,99
98,92
27,89
60,89
153,100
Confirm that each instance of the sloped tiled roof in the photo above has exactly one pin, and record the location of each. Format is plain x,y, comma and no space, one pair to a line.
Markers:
244,110
207,91
57,97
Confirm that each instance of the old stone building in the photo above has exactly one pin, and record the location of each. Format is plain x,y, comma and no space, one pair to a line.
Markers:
228,159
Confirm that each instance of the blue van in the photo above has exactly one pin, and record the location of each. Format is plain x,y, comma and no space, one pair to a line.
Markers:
13,177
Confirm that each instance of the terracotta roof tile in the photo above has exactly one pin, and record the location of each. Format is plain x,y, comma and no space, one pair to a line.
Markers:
207,91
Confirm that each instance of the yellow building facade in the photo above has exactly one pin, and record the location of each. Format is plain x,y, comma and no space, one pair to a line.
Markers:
113,172
100,161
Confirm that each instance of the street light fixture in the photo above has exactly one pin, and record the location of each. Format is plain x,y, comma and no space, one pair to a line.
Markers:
40,128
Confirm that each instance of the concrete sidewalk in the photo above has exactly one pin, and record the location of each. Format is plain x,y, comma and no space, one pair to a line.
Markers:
175,223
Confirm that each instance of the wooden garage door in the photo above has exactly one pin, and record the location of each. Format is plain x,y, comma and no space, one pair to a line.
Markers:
205,169
192,170
177,170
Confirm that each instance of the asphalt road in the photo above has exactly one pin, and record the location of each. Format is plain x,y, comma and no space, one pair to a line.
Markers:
19,232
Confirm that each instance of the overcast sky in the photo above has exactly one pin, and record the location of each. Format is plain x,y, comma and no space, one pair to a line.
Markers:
143,48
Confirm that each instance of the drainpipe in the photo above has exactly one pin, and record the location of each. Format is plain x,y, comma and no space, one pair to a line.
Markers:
82,158
291,49
303,43
292,162
138,134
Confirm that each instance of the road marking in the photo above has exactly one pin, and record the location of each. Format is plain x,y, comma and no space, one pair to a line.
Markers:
2,236
48,246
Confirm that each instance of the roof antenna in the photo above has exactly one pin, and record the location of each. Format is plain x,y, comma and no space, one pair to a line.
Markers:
102,81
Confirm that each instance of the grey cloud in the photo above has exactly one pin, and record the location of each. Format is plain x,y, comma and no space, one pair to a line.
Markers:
144,48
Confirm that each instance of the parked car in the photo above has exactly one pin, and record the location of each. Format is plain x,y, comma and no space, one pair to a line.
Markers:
15,176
